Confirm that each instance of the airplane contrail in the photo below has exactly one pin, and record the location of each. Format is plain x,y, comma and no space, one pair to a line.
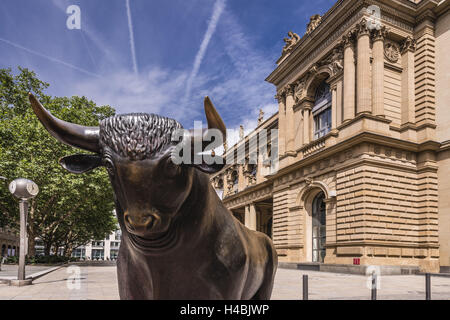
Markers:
49,58
130,30
219,5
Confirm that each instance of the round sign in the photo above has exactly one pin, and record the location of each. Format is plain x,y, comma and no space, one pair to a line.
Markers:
32,188
12,187
23,188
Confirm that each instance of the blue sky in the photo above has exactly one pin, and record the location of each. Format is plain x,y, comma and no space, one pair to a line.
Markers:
177,52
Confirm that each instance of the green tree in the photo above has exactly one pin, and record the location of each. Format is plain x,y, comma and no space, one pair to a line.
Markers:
70,209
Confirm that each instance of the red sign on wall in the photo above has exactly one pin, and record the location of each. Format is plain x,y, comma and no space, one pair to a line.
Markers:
356,261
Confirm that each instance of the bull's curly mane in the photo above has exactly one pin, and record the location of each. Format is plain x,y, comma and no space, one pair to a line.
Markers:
137,136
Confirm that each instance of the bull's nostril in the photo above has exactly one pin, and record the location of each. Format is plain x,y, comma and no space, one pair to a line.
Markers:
139,221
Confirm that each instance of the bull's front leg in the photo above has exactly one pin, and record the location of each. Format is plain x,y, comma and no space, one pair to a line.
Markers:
134,282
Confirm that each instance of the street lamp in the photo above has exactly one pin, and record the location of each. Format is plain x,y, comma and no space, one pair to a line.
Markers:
25,190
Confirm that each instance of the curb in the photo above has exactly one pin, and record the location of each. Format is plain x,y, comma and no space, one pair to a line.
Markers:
34,276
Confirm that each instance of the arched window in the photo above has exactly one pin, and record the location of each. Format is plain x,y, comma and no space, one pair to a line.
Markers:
318,228
322,110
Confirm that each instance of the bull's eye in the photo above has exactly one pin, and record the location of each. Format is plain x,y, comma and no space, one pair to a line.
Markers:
171,169
109,166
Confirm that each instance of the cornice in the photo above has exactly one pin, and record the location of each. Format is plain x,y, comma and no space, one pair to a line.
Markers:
305,53
247,191
355,140
341,17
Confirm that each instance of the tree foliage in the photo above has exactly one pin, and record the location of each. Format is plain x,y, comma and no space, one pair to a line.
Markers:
70,209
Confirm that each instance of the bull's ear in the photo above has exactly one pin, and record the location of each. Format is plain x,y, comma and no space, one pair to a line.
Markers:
80,163
209,168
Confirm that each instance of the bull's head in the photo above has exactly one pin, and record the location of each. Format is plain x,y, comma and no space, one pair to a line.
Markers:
136,150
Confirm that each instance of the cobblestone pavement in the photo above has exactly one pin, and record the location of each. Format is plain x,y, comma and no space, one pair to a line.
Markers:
100,282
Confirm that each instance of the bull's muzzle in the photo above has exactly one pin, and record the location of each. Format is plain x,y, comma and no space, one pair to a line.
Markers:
140,223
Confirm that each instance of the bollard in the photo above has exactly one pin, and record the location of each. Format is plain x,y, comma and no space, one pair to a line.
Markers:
427,286
305,287
374,286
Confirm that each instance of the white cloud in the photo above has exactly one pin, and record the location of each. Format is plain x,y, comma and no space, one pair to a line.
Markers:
131,34
219,5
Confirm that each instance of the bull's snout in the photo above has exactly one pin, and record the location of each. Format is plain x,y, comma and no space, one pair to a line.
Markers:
140,223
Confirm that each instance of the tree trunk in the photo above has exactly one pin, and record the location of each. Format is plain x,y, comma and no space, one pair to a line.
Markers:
68,249
31,230
47,247
55,249
31,244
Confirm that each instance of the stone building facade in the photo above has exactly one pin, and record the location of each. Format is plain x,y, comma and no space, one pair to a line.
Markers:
9,243
363,140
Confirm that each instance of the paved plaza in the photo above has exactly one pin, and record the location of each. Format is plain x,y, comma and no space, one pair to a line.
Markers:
100,282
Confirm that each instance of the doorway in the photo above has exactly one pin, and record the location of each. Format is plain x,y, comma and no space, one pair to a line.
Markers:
318,228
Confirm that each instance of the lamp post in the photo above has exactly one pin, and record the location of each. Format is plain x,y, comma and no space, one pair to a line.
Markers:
25,190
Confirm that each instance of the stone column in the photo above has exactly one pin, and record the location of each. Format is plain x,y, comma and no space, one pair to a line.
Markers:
339,110
289,133
241,178
306,120
281,122
225,184
349,78
363,103
408,86
378,72
333,106
250,216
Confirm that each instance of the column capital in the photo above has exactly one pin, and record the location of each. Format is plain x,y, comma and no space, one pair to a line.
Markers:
409,44
306,102
289,89
280,94
361,28
347,39
379,34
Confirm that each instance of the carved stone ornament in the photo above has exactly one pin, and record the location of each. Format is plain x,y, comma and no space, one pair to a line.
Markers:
379,34
299,89
408,44
314,21
361,28
292,39
347,39
391,51
335,61
290,89
281,94
261,116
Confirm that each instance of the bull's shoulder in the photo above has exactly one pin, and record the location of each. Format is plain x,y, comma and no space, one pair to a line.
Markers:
230,246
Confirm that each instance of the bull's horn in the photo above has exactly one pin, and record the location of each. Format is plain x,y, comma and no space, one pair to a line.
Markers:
213,118
74,135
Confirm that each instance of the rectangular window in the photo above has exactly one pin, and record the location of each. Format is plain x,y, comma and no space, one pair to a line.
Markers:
322,123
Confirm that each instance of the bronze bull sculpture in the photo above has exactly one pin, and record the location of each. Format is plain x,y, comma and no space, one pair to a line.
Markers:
178,239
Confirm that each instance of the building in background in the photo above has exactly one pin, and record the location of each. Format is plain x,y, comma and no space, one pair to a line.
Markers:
363,141
9,242
106,249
